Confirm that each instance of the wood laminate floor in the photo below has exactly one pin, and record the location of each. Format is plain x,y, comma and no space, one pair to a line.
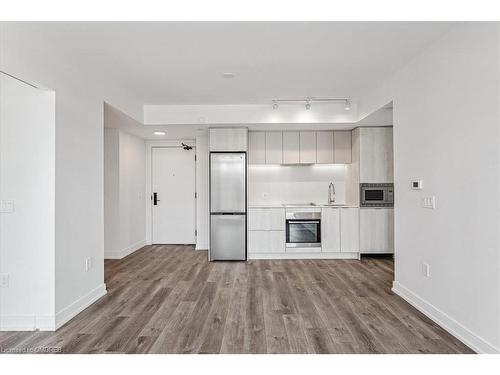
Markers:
170,299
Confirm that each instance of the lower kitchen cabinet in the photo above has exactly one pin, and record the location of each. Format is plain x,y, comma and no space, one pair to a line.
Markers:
266,241
330,230
349,230
266,219
340,230
376,229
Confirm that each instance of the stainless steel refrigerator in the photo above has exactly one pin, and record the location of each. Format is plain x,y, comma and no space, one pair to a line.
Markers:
228,206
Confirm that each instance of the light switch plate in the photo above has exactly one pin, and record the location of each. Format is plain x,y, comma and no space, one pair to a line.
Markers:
6,206
429,202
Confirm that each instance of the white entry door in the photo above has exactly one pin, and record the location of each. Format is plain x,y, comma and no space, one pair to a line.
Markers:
173,201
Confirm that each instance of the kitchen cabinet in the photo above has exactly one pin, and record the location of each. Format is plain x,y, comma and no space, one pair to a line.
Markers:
330,230
307,147
349,230
325,147
274,147
266,242
228,139
342,147
266,230
266,219
376,229
256,148
375,155
291,147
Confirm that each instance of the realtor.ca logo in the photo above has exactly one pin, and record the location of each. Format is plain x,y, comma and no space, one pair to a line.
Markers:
31,349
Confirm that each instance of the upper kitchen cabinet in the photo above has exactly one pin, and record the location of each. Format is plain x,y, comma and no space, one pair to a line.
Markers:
375,155
307,147
325,147
291,148
342,146
228,139
274,147
256,148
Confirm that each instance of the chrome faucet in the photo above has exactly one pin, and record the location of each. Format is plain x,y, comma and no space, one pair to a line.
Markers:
331,193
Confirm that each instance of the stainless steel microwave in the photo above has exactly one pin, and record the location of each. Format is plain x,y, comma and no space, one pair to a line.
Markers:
376,195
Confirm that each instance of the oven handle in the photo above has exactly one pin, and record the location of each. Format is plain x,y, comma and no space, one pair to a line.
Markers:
303,221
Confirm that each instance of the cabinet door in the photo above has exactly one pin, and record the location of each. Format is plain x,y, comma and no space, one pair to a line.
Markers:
376,230
291,147
228,139
266,219
266,242
256,148
330,230
375,151
325,149
349,230
342,147
274,148
307,147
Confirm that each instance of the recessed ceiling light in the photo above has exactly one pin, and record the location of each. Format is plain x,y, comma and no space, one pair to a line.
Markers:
228,75
159,133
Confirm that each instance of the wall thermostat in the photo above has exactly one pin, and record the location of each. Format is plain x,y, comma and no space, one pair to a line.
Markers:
416,184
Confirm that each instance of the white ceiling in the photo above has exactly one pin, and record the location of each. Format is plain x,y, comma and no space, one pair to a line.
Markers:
183,62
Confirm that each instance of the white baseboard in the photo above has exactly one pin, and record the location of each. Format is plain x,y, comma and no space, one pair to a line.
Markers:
201,246
257,256
119,254
69,312
462,333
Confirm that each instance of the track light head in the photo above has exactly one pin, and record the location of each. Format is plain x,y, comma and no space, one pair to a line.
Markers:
347,105
308,104
275,104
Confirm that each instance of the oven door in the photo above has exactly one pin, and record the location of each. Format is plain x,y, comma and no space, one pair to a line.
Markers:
303,233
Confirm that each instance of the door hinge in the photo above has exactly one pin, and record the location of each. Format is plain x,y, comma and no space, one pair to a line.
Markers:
195,157
195,232
195,195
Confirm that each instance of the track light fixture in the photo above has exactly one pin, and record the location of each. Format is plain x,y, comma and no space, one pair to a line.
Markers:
309,100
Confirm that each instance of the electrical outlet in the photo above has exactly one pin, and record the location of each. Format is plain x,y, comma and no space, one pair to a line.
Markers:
6,206
88,264
426,269
429,202
4,280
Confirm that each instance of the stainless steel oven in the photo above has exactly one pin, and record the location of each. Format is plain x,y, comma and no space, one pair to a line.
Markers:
303,229
376,195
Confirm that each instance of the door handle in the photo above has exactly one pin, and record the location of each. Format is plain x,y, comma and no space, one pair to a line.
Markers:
155,199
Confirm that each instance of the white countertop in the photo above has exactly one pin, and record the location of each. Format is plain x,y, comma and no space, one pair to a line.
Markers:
320,205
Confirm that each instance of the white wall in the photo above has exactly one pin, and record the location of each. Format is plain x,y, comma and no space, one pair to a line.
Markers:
111,190
248,114
446,132
202,203
28,53
27,176
278,184
124,187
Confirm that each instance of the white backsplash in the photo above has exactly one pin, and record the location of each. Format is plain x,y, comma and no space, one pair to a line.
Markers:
288,184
